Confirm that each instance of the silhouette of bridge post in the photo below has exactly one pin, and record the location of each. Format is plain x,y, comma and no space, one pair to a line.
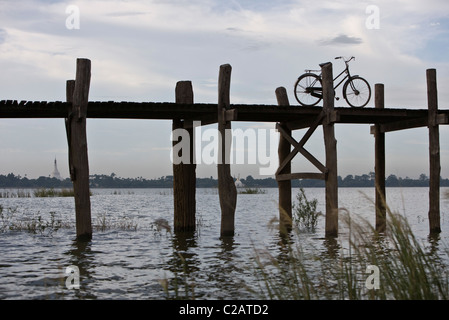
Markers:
284,186
379,163
78,96
331,181
434,152
226,186
184,174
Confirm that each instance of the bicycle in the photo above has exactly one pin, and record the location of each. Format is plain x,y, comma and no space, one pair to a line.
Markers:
356,90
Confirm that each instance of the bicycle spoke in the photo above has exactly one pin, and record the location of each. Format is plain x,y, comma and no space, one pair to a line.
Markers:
303,91
357,92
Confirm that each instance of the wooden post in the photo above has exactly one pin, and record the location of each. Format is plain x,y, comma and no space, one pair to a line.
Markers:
331,225
379,165
78,95
284,187
184,174
434,153
226,186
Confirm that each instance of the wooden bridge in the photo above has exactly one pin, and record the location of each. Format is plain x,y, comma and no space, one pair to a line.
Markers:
77,108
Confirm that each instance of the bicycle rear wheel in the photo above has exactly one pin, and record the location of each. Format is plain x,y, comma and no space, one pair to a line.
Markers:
357,92
303,89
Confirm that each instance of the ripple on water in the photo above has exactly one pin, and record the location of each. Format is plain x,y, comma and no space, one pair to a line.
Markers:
127,264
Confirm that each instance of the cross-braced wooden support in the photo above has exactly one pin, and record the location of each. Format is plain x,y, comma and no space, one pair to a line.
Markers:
299,148
326,172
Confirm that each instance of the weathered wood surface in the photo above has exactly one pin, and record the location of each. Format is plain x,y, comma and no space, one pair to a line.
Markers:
284,186
434,153
227,190
379,163
330,143
184,174
297,117
78,157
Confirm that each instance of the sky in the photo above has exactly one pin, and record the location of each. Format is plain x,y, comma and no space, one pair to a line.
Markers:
140,49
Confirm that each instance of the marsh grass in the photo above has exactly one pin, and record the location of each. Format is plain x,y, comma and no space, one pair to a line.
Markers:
18,194
46,224
45,193
105,222
252,191
36,224
407,269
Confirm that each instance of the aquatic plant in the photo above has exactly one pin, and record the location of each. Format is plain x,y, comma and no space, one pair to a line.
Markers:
37,223
304,212
252,191
123,223
19,194
44,193
406,269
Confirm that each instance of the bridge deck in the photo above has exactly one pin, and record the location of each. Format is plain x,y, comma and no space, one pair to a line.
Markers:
208,112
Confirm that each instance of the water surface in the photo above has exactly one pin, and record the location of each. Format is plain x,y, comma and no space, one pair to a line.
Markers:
127,263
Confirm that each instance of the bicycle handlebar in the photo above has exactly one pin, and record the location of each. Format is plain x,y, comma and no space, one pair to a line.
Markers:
345,59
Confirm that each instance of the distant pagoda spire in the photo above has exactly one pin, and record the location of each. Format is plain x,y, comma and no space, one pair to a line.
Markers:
55,173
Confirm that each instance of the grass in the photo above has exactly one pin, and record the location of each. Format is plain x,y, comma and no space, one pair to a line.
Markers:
18,194
12,220
36,224
123,223
44,193
407,270
252,191
304,213
39,193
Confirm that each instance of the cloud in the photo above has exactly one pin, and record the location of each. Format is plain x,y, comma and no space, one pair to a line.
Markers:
126,14
139,49
2,36
342,39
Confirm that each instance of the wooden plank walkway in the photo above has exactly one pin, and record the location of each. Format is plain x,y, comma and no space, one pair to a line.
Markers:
296,116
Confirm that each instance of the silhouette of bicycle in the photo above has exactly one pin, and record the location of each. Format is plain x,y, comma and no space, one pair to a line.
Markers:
356,90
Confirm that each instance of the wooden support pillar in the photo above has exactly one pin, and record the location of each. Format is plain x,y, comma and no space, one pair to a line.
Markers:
226,185
78,94
285,186
379,163
184,174
331,225
434,153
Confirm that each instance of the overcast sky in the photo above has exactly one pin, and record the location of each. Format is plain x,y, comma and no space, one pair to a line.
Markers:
140,49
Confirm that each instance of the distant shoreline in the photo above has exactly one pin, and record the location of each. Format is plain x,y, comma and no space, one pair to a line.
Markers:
112,181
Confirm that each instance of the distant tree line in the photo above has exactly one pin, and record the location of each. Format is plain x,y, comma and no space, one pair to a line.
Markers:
112,181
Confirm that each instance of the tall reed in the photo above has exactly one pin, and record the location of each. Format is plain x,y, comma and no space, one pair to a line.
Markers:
407,269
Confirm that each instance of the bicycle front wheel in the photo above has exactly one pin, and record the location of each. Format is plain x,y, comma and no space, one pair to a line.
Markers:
304,89
357,92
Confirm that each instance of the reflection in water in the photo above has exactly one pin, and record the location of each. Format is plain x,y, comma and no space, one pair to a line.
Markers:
81,256
182,263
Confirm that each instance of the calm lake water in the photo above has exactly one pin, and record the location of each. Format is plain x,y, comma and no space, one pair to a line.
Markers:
123,263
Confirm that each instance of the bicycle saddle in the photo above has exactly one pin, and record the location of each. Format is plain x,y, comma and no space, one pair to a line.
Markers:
310,70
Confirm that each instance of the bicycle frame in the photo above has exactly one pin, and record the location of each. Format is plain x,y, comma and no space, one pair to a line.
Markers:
348,75
314,90
356,90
